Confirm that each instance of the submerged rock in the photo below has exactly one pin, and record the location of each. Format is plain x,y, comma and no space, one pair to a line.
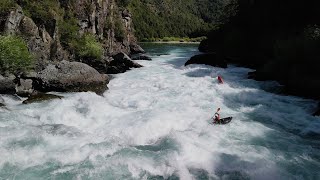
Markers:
71,77
39,97
141,57
207,59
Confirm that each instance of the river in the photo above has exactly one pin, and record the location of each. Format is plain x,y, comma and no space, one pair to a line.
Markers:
154,123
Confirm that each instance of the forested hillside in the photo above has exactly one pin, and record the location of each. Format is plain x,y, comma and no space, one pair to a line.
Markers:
178,18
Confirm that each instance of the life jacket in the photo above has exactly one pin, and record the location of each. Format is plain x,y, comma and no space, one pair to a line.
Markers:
220,80
216,115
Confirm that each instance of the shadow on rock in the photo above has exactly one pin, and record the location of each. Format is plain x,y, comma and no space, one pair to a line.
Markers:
208,59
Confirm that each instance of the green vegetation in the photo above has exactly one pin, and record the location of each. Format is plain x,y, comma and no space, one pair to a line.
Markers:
177,18
69,32
89,47
5,6
123,3
176,39
14,54
119,29
44,12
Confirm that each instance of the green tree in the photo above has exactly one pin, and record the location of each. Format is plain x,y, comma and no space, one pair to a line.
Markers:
14,54
89,47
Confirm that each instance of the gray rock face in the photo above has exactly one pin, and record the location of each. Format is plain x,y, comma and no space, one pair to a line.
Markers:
24,88
41,50
43,46
121,63
7,85
13,21
71,76
136,49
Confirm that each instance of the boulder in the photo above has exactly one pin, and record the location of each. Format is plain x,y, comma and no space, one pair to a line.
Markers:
24,87
101,65
121,63
136,49
7,84
208,59
70,77
142,57
121,57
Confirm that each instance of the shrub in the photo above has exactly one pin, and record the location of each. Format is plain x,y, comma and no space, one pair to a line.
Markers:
107,26
119,29
14,54
166,39
5,6
69,32
89,47
123,3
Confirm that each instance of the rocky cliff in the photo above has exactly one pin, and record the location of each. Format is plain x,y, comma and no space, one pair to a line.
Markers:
56,31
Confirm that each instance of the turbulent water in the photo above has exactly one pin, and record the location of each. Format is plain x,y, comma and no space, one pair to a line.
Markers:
154,123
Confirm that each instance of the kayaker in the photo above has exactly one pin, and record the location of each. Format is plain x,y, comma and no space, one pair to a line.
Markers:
217,116
220,80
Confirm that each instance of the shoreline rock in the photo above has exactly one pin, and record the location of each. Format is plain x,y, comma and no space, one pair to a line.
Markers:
136,49
141,57
71,77
121,63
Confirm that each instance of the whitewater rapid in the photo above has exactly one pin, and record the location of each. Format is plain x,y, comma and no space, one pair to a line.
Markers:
153,123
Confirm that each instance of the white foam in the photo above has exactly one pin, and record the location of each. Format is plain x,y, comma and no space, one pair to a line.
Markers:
163,100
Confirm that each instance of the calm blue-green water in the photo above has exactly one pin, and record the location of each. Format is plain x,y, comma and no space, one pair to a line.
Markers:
153,123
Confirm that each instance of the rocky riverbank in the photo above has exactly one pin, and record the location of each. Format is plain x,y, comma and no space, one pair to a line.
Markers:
63,60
